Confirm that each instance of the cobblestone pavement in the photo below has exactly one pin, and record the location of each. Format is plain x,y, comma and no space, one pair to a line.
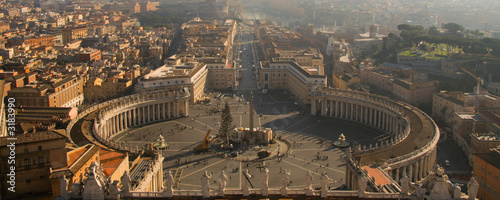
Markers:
311,137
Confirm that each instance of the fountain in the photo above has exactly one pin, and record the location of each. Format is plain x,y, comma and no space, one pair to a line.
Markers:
341,143
160,143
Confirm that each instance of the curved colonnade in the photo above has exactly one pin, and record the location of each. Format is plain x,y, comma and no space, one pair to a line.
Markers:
410,135
136,110
118,115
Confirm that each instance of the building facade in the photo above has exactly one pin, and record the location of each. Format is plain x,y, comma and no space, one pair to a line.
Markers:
35,155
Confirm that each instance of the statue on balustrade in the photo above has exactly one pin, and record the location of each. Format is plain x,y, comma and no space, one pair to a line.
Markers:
125,181
169,180
264,181
285,180
205,184
361,183
309,188
309,179
222,183
404,183
324,182
113,191
246,188
63,186
457,191
473,188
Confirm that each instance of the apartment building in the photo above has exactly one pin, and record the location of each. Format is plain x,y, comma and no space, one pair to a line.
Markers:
192,76
486,170
285,73
66,91
88,55
73,33
39,41
416,93
36,154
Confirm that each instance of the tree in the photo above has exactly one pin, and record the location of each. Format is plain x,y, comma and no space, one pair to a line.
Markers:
226,122
453,28
406,27
433,31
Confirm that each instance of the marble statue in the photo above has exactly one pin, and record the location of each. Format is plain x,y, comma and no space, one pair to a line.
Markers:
457,191
324,182
113,191
169,181
435,168
285,180
75,190
473,187
285,176
205,185
309,179
125,180
63,186
246,188
361,183
93,189
309,188
264,181
404,181
222,183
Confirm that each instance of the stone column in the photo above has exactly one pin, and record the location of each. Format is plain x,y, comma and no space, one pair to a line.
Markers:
164,110
342,110
337,108
136,117
379,121
422,168
158,111
168,110
127,124
397,175
143,114
358,109
370,116
122,120
176,108
150,113
352,112
186,108
415,171
322,107
331,108
410,172
313,106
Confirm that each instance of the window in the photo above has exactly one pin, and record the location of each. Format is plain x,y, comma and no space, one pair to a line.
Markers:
28,180
494,193
488,188
42,177
25,149
39,148
489,173
496,177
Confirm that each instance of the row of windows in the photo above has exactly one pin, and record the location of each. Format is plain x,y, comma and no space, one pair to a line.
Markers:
29,179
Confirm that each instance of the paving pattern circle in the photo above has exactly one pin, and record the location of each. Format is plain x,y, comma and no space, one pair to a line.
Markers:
312,139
